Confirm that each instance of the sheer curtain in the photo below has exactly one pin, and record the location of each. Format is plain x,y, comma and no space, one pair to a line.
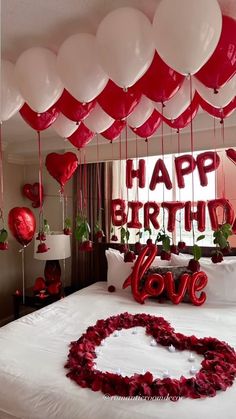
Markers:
89,179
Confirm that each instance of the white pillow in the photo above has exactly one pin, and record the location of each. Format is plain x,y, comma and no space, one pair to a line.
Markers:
118,270
221,286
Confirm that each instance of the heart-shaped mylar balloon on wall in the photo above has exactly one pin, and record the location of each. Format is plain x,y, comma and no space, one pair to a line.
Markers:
22,224
61,166
32,192
231,154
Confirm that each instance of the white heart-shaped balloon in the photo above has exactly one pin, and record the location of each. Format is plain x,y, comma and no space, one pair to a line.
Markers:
221,99
98,120
64,126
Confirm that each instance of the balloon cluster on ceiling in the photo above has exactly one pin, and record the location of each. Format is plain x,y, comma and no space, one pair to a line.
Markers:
132,72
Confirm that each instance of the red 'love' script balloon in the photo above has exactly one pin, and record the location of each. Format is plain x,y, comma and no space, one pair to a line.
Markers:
22,224
61,166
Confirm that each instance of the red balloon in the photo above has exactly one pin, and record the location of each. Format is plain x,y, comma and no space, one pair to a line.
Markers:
39,121
140,267
151,215
39,284
160,82
231,154
81,137
182,171
204,168
114,130
139,173
61,166
185,118
199,215
118,214
220,113
197,282
172,208
32,192
176,297
118,103
222,64
150,125
22,224
213,207
72,108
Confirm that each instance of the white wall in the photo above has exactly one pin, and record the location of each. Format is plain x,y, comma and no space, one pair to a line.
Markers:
10,260
53,214
15,176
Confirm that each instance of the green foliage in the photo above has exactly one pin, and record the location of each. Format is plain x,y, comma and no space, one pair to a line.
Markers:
139,234
124,235
197,252
149,230
82,229
46,227
67,223
221,236
3,235
164,239
202,237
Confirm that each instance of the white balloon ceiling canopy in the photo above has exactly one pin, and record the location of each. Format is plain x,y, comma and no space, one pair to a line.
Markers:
185,34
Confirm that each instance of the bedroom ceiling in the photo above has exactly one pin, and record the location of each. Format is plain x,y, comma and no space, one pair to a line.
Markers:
27,23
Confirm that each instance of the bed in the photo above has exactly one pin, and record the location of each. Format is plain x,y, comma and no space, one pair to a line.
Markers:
34,349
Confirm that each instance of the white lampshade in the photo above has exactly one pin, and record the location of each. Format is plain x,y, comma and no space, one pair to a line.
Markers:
59,247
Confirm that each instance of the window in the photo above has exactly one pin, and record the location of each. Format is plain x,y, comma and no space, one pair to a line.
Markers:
161,194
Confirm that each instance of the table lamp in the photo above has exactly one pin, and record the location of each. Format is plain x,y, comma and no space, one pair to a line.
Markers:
59,247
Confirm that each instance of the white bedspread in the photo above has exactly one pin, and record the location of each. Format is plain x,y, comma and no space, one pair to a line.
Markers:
33,351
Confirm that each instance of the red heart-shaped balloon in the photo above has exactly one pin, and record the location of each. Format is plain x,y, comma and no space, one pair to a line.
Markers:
39,284
32,192
81,137
39,121
22,224
231,154
72,108
61,166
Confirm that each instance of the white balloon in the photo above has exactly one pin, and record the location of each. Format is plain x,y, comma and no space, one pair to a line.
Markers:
221,99
98,120
64,126
186,32
79,69
141,113
37,78
11,99
178,103
125,45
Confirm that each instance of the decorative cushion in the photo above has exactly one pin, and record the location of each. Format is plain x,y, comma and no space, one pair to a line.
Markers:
118,270
221,287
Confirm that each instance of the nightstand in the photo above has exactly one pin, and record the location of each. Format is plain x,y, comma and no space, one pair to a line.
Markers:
31,300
